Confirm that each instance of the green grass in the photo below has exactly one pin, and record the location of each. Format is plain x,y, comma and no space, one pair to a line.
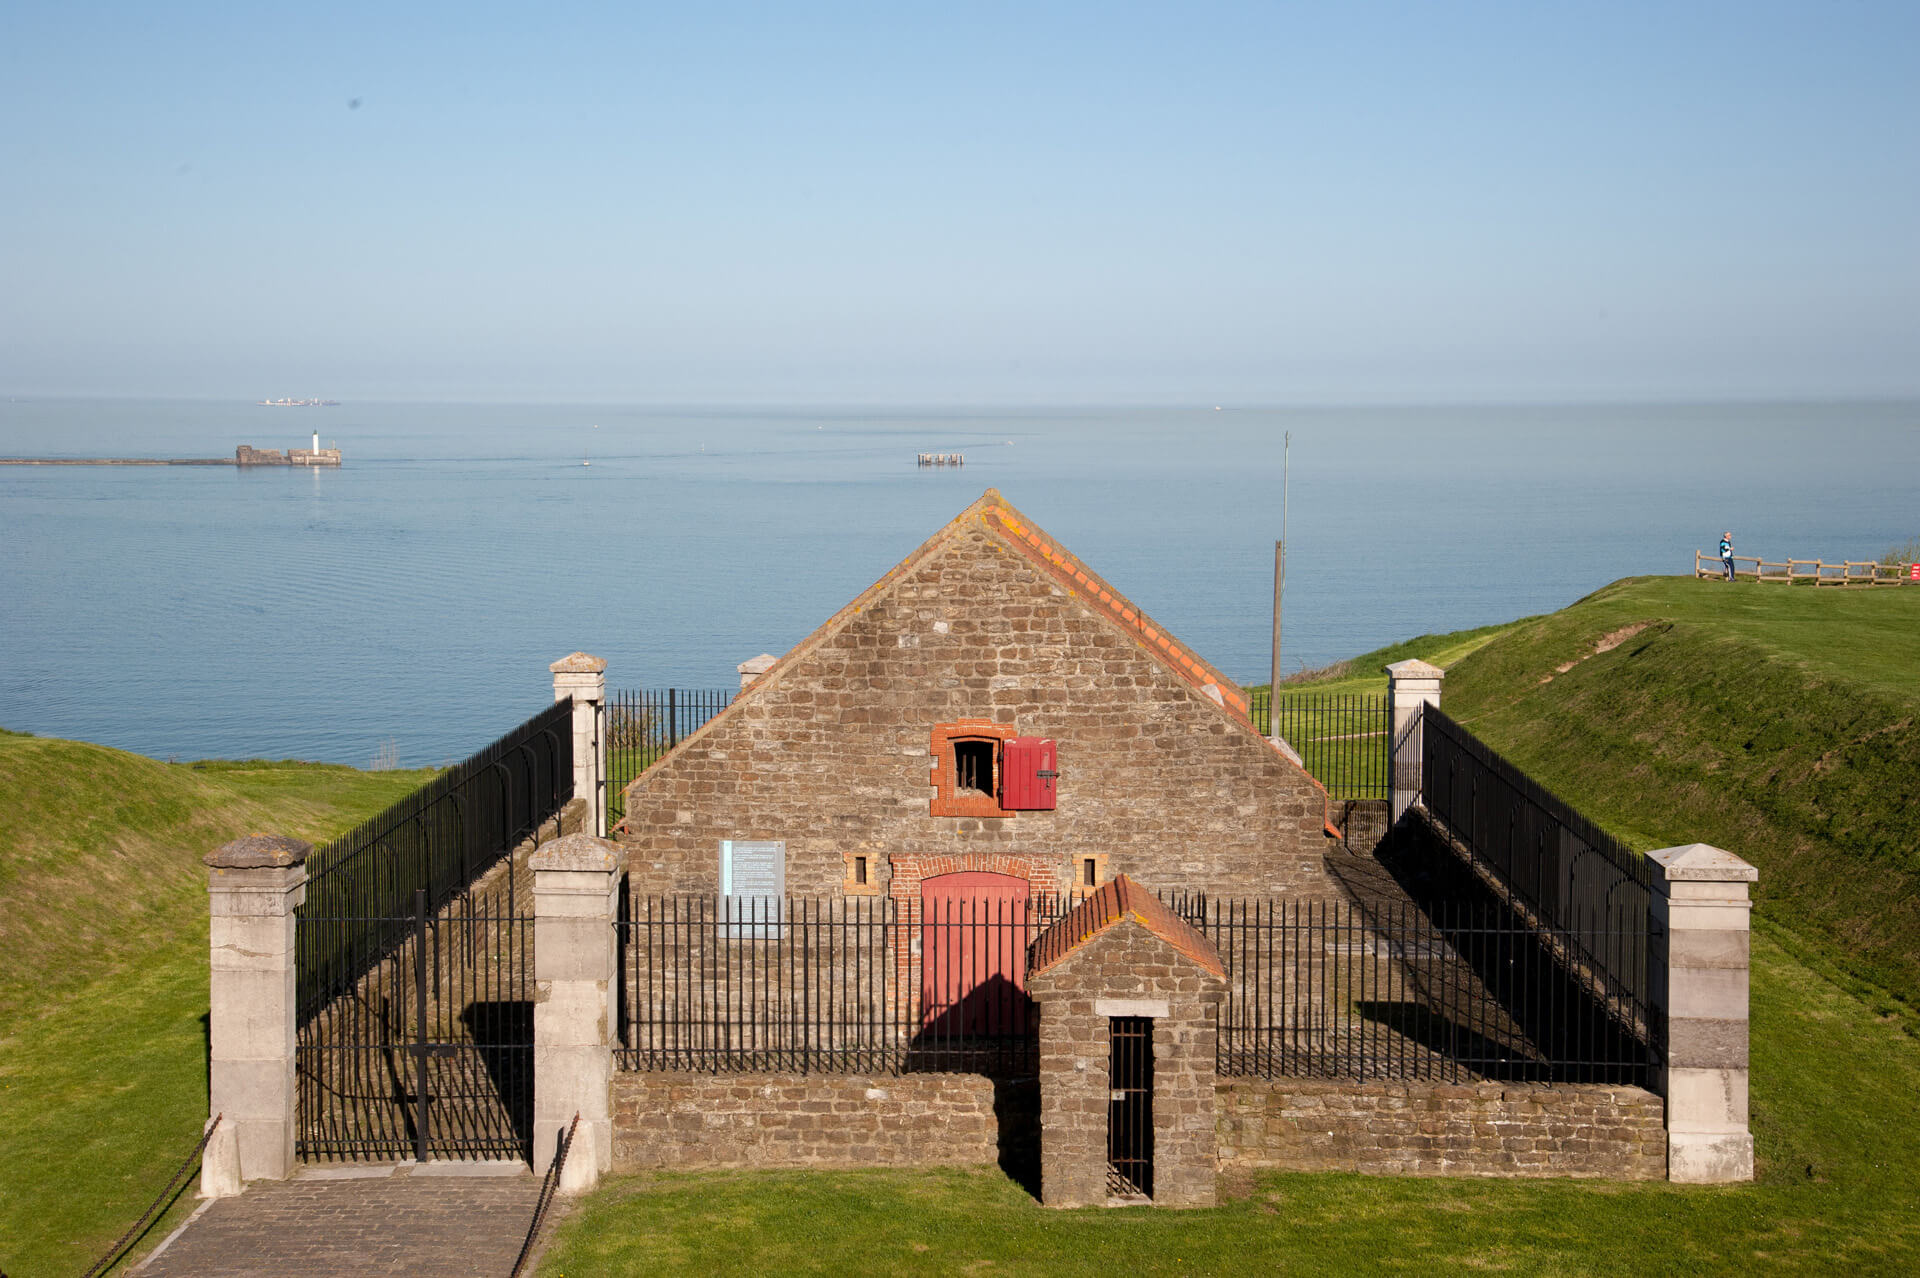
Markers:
1781,724
1834,1123
1365,675
103,995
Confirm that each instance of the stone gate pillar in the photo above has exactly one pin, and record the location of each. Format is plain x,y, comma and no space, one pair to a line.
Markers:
576,882
253,886
1411,686
584,678
1699,966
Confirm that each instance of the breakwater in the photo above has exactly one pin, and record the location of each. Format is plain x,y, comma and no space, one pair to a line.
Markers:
245,456
118,461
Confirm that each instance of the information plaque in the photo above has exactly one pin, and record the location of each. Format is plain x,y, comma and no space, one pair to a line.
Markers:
753,889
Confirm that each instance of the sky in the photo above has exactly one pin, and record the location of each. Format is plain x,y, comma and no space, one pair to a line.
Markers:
970,203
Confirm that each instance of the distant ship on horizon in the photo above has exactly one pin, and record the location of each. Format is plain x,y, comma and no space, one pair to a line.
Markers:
298,403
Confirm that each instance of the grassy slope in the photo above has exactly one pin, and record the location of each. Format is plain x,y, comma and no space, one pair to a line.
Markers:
102,1035
1782,724
1366,672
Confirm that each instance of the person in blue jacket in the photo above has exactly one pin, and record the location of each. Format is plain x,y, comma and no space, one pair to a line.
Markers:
1726,553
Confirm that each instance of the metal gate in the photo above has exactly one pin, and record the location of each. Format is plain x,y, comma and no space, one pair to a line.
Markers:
414,962
1130,1107
430,1055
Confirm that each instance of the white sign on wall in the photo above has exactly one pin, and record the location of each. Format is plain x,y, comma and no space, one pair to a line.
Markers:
753,889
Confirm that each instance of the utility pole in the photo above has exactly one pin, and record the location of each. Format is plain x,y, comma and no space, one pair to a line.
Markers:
1279,587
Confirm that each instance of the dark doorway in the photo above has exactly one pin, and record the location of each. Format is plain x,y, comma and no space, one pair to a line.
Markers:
1130,1107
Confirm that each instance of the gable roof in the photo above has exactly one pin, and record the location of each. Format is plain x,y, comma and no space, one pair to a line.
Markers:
1026,537
1113,903
998,517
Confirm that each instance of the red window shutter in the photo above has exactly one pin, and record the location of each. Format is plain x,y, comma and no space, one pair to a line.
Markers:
1028,773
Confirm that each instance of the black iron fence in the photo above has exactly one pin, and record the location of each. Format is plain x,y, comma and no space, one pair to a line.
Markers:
1589,894
363,888
829,985
1453,992
1342,738
641,726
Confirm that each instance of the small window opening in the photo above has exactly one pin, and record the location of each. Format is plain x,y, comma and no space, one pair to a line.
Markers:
973,766
1089,872
860,870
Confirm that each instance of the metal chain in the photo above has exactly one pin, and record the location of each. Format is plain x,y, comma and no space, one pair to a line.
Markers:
547,1188
100,1265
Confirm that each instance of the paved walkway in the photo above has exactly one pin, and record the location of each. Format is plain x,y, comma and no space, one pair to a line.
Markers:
445,1219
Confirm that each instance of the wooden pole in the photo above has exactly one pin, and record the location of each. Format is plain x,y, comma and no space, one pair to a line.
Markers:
1279,584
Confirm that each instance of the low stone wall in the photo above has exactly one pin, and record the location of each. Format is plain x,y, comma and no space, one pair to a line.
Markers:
685,1120
1432,1129
819,1120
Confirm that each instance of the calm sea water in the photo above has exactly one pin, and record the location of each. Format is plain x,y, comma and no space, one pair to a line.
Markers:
416,595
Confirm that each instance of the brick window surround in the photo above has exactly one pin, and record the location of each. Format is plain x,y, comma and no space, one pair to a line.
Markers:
850,882
949,800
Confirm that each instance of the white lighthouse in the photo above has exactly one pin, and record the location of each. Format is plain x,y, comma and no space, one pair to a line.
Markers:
316,441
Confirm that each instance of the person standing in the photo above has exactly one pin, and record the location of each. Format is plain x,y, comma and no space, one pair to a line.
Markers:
1726,553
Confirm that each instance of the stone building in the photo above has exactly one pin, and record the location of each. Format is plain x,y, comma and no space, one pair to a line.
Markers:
1013,817
991,707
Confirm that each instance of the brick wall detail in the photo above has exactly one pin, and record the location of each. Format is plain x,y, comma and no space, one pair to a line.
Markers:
1429,1129
685,1120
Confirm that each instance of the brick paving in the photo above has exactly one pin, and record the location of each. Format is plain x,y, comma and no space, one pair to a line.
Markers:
396,1223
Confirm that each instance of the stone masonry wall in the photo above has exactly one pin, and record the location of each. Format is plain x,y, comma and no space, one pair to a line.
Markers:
1126,962
1427,1129
831,753
812,1120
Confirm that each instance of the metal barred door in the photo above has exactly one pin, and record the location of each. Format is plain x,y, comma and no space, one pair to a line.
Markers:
1130,1107
430,1054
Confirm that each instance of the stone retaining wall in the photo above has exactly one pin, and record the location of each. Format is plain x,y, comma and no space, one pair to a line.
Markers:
685,1120
818,1120
1430,1129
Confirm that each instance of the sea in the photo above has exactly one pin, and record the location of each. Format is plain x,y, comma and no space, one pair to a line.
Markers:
404,608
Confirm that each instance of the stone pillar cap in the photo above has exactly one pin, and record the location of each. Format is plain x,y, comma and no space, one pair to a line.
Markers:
1414,668
579,663
259,852
576,852
1702,862
758,665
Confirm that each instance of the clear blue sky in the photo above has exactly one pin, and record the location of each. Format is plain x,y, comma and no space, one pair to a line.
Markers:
961,202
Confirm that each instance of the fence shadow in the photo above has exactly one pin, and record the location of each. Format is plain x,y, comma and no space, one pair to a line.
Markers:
502,1034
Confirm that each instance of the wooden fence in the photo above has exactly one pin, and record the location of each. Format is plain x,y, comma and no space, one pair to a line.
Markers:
1816,572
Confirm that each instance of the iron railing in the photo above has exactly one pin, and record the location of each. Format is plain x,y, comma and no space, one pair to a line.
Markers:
863,985
1342,738
1589,894
362,888
1457,991
641,726
1452,991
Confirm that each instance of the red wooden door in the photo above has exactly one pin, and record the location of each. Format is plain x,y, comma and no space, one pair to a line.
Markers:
974,929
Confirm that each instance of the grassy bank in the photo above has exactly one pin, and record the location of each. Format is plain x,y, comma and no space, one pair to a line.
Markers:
1782,724
103,995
